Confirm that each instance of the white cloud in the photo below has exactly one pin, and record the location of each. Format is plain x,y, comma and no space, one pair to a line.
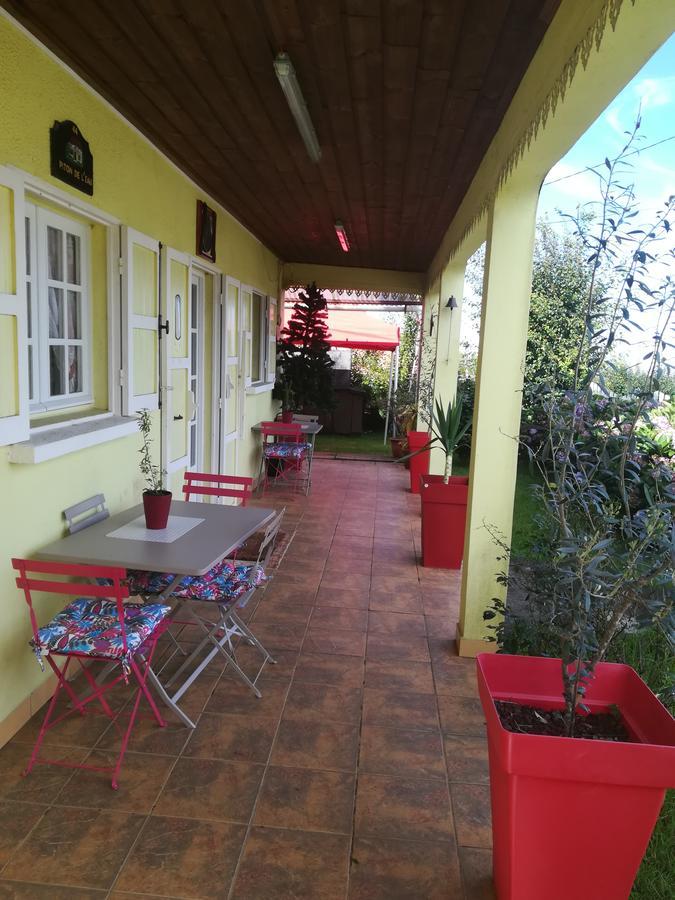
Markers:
654,91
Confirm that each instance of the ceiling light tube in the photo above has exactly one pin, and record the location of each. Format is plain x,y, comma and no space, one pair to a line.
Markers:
296,103
342,236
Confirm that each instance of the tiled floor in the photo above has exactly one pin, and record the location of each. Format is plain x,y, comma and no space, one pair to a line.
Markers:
360,774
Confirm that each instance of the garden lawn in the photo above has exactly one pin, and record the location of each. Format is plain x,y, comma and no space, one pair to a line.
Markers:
367,444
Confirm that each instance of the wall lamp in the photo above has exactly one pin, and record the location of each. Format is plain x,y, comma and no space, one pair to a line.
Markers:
342,236
296,103
452,302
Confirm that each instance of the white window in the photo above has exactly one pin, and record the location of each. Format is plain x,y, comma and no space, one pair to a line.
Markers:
58,305
258,337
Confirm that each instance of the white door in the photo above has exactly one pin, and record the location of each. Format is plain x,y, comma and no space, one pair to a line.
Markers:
177,399
229,376
196,379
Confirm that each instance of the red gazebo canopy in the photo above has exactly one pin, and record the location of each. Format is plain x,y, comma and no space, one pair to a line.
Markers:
360,331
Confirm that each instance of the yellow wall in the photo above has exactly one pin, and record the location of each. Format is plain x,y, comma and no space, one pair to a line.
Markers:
136,184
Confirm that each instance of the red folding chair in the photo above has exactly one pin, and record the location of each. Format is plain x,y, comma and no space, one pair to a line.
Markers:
284,445
98,625
205,484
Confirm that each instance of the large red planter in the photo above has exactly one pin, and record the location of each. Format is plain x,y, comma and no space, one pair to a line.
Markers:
419,464
571,818
443,520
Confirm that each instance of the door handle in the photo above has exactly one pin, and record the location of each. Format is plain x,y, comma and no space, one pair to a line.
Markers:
178,418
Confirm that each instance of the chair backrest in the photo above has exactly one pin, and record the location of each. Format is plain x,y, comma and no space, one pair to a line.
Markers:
269,539
205,484
85,513
290,432
305,419
104,582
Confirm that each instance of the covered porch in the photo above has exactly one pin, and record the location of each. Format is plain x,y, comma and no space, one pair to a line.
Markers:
362,771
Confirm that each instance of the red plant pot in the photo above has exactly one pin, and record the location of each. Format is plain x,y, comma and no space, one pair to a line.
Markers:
419,464
571,817
156,508
287,416
443,520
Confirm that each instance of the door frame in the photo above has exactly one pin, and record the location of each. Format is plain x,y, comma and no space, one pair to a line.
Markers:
198,274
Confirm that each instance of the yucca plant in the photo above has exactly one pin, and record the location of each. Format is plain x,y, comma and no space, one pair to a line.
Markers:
447,431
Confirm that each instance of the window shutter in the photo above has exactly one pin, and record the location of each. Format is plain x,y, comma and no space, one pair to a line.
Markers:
271,360
176,396
140,318
247,334
14,402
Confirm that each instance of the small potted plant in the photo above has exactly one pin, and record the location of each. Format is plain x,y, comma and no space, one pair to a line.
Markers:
156,500
444,497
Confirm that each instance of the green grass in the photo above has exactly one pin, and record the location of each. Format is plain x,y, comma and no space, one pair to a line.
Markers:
368,444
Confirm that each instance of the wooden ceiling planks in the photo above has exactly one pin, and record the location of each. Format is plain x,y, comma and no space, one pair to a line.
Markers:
405,96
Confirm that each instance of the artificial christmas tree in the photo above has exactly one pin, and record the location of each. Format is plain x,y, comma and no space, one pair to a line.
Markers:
304,364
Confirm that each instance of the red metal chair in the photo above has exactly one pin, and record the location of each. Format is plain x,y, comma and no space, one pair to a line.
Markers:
98,625
285,445
207,485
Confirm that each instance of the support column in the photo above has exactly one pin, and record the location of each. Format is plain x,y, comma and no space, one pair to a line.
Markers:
499,381
447,347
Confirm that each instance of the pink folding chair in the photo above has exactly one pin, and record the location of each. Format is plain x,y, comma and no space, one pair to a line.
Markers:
98,625
283,444
205,484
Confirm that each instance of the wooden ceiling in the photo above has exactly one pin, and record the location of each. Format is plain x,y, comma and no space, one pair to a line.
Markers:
405,96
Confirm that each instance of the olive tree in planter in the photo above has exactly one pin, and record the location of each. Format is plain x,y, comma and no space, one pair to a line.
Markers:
156,500
581,750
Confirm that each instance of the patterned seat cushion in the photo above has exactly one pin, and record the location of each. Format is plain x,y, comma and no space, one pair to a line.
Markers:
286,451
225,582
93,627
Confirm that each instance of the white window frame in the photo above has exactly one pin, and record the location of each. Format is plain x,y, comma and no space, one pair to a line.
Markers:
40,220
265,381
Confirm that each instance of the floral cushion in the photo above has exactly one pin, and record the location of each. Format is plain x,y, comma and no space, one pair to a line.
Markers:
224,582
286,451
93,627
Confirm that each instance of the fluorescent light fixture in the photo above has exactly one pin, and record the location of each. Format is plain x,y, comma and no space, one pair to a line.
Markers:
296,103
342,236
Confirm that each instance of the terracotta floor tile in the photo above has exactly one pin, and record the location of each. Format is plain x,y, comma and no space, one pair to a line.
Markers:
403,870
82,847
249,659
324,703
471,806
74,731
279,592
461,715
184,858
347,582
457,678
339,565
384,601
211,789
393,708
466,758
334,617
279,613
293,864
16,821
330,640
402,807
243,738
407,676
404,624
316,745
306,799
140,782
44,782
441,626
280,635
232,696
20,890
397,751
396,646
329,668
342,599
476,866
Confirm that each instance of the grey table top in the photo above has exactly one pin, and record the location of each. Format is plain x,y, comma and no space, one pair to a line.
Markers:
224,528
307,427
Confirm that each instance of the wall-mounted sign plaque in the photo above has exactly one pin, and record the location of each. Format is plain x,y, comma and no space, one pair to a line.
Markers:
71,159
206,231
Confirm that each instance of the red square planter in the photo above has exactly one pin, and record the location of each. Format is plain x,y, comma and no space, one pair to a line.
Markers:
419,464
443,520
571,818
